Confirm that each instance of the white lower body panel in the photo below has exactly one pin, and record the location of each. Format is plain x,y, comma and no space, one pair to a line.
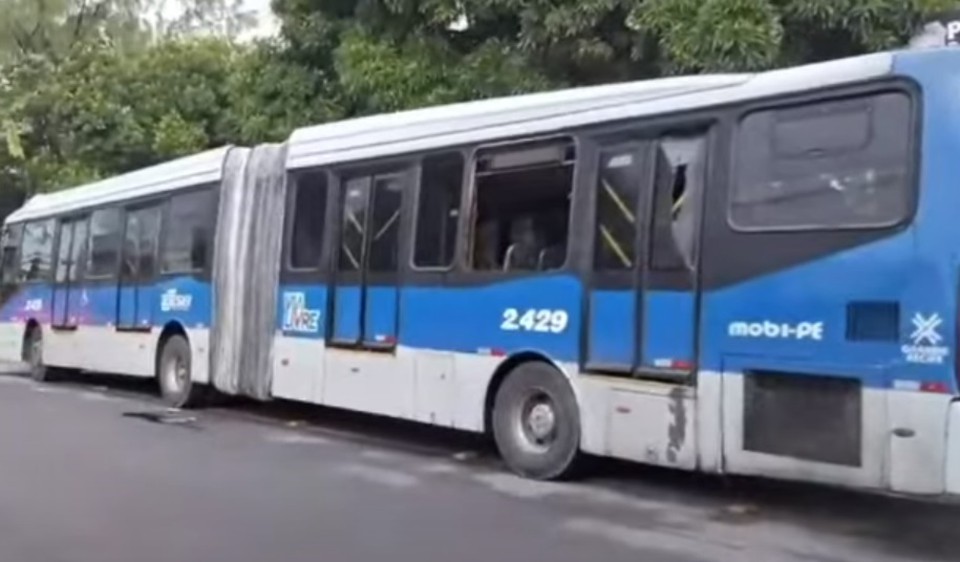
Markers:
953,450
649,422
104,349
910,441
11,341
436,387
904,440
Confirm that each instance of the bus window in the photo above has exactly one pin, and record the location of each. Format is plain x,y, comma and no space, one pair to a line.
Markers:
353,224
187,240
438,210
385,223
36,255
140,251
677,191
309,210
8,259
522,206
79,253
837,163
105,243
618,190
63,251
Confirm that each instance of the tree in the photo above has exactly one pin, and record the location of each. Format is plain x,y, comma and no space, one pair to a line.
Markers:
96,87
99,111
51,28
270,93
390,54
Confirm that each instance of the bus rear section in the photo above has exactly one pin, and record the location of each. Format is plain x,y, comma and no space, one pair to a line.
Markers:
829,286
925,403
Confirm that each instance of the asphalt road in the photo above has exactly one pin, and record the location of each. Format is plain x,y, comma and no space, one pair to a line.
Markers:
84,476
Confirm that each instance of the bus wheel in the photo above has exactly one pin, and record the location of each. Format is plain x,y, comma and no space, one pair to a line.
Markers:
536,422
174,374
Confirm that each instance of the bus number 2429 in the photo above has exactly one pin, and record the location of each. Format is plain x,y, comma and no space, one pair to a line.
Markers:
534,320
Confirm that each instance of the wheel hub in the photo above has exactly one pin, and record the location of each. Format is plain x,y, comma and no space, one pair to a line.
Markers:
176,374
541,421
36,353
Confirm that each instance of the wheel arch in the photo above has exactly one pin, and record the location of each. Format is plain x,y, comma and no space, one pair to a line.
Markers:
507,366
170,329
31,325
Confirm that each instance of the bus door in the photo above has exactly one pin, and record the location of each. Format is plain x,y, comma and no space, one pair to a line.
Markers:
669,279
73,240
138,259
642,299
364,299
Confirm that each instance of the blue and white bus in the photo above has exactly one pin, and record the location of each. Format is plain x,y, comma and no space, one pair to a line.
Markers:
747,274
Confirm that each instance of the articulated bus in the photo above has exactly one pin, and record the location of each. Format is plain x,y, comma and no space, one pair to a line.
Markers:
747,273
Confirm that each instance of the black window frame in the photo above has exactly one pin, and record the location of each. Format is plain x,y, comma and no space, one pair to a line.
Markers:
139,206
359,268
603,151
662,243
212,190
466,178
77,271
54,238
15,260
294,179
121,218
901,86
468,203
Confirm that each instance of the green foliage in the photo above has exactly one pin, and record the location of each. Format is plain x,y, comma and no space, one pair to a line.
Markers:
380,75
97,111
269,94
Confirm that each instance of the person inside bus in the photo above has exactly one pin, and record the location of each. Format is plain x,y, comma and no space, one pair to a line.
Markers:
526,245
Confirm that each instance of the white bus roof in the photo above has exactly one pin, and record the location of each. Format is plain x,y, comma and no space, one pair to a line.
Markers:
197,169
488,120
463,123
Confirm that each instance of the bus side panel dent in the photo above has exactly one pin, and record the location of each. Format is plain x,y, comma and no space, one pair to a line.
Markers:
953,449
642,421
709,420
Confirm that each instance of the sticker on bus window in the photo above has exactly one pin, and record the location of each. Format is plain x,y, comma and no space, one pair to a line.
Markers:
925,341
620,161
296,316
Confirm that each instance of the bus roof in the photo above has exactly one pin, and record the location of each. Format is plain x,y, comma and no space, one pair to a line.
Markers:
430,128
488,120
197,169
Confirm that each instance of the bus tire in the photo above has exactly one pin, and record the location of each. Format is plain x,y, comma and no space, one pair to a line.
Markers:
174,374
536,422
